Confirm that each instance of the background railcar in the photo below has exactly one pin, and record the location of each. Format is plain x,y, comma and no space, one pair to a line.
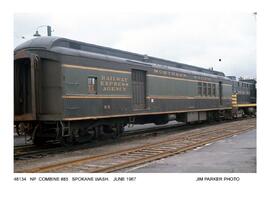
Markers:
244,97
64,89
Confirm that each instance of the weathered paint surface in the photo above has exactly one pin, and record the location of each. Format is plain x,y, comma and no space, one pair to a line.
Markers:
65,68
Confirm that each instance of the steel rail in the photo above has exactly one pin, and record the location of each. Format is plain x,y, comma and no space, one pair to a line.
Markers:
185,140
31,151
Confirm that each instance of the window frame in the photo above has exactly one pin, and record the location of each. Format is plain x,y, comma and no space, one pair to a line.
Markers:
214,90
209,89
92,85
199,88
205,89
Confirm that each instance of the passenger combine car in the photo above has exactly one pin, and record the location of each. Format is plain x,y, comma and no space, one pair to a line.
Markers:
64,89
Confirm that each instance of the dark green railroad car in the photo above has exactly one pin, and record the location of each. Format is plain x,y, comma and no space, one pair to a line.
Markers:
64,89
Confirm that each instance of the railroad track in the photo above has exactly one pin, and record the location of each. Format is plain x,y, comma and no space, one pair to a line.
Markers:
174,144
30,151
24,152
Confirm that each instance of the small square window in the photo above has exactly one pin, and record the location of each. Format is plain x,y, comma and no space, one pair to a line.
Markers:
92,85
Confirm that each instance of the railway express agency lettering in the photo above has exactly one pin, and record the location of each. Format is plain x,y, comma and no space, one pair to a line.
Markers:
114,83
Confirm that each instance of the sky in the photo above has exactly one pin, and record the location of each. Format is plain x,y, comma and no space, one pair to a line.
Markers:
199,39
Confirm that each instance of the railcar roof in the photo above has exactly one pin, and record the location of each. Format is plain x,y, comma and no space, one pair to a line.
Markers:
49,42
